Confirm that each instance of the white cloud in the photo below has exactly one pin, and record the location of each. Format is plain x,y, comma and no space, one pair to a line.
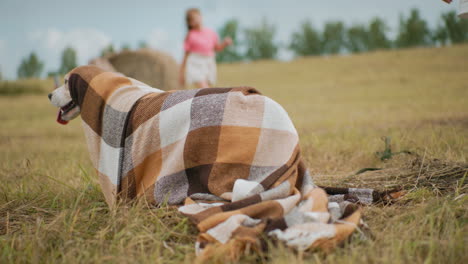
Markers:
159,39
3,46
5,71
87,42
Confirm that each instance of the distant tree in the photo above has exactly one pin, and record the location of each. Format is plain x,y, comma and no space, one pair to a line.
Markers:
68,60
142,44
333,37
260,42
109,49
440,35
456,29
30,67
52,74
126,46
1,76
307,41
413,31
230,53
357,39
378,34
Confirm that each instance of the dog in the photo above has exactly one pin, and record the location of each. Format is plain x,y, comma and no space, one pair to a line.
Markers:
247,111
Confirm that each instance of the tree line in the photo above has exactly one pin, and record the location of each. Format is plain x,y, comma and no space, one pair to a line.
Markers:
334,38
32,66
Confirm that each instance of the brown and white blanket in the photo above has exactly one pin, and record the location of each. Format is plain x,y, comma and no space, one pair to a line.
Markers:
229,155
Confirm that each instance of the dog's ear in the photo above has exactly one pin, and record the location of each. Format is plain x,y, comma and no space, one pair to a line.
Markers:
79,80
78,88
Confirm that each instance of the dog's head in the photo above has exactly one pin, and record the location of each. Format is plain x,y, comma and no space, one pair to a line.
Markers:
61,98
70,96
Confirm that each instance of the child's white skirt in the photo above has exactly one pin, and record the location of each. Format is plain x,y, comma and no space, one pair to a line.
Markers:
463,9
200,68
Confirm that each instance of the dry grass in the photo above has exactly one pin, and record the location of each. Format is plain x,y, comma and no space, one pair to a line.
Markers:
417,172
27,86
51,209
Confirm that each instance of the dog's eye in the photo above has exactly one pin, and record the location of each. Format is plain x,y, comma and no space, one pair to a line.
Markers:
66,81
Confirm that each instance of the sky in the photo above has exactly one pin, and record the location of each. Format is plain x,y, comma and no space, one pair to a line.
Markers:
48,26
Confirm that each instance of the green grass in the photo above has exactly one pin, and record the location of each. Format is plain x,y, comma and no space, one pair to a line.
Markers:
52,211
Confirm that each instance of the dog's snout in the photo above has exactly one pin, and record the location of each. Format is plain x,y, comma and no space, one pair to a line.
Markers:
50,96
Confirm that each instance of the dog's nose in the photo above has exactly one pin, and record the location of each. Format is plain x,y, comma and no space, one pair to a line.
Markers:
50,96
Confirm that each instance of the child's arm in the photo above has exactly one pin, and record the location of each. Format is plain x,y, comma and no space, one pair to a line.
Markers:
182,69
226,42
186,54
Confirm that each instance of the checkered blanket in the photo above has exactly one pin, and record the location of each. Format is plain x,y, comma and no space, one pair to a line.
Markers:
230,155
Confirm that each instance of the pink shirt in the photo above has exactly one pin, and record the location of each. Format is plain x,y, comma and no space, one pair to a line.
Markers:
201,41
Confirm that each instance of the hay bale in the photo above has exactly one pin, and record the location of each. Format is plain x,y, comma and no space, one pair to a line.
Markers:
103,63
152,67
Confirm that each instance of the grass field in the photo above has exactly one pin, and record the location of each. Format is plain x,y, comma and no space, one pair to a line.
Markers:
52,211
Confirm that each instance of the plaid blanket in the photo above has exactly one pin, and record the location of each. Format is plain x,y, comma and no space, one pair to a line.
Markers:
230,155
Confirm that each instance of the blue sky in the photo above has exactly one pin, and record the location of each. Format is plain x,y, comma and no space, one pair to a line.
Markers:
47,26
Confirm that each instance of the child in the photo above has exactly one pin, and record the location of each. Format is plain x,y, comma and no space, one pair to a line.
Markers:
462,8
200,45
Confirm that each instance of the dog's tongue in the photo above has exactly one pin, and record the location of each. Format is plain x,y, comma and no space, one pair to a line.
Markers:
59,118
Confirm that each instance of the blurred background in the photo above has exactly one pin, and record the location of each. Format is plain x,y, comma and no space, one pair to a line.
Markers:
42,38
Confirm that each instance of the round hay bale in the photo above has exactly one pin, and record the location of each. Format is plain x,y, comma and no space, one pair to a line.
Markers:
102,63
152,67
